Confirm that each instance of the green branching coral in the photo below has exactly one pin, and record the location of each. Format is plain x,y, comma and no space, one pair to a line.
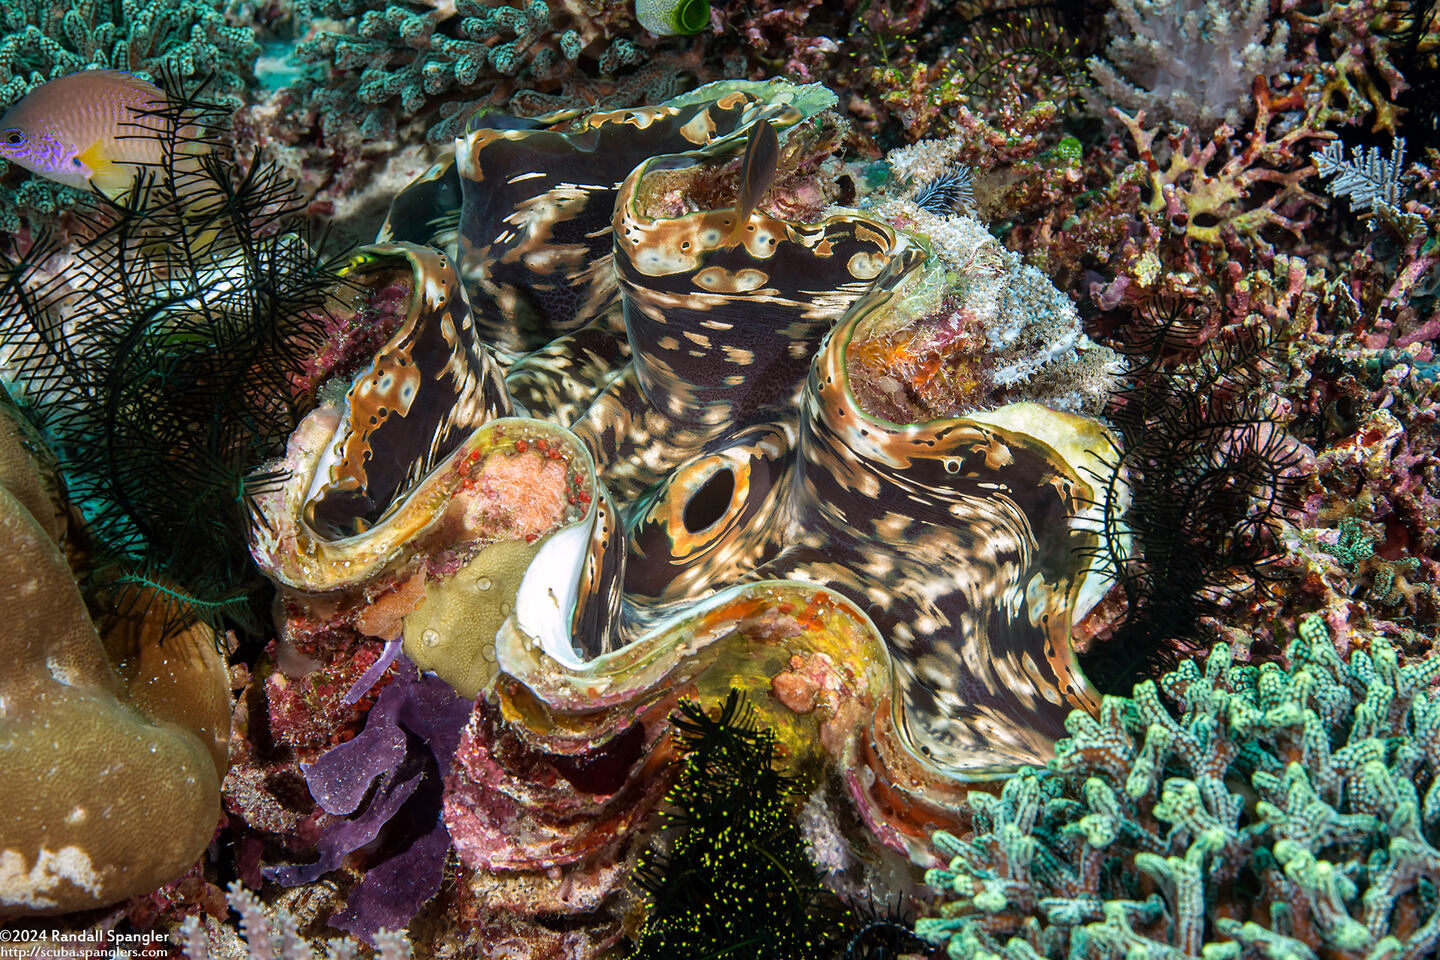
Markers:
1355,551
43,39
405,57
736,881
1277,812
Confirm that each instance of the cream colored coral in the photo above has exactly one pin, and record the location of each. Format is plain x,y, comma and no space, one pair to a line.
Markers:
21,474
1189,61
172,676
98,802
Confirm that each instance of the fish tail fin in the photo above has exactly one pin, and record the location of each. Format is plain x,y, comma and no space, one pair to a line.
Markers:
737,232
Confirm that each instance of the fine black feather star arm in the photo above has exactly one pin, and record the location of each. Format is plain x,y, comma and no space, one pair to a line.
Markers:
164,361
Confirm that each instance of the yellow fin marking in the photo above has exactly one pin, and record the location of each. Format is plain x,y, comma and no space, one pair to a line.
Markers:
112,179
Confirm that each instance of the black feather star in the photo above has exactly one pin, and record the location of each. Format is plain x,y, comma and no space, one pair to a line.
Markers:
883,935
735,882
951,193
1209,471
1416,55
164,360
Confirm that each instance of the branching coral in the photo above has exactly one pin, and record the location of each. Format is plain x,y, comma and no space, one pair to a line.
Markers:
1280,811
1191,218
1356,60
1204,188
273,933
44,40
1372,522
1226,203
415,54
1210,204
1390,289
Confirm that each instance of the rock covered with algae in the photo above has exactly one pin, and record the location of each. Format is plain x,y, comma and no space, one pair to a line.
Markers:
988,329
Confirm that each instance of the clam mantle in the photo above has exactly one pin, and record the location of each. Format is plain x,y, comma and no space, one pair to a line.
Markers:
611,455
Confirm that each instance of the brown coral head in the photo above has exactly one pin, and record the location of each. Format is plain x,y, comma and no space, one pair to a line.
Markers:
99,801
173,671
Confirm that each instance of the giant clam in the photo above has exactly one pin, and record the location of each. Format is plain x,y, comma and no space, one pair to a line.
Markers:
678,487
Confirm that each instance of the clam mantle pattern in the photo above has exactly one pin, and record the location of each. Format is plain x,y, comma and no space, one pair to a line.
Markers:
610,456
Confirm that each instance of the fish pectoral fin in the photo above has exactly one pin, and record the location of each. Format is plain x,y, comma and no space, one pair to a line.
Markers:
107,176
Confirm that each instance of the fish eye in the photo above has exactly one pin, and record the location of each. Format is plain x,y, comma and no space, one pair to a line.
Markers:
14,138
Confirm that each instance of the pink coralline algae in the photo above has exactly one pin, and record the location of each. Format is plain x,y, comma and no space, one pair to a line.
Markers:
310,713
519,817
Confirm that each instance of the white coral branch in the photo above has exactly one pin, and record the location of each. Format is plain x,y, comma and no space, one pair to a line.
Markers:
274,934
1373,183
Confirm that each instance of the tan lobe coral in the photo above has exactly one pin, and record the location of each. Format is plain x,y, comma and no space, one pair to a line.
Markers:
98,801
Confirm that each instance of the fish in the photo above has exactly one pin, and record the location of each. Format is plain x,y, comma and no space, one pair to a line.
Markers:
757,172
88,130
